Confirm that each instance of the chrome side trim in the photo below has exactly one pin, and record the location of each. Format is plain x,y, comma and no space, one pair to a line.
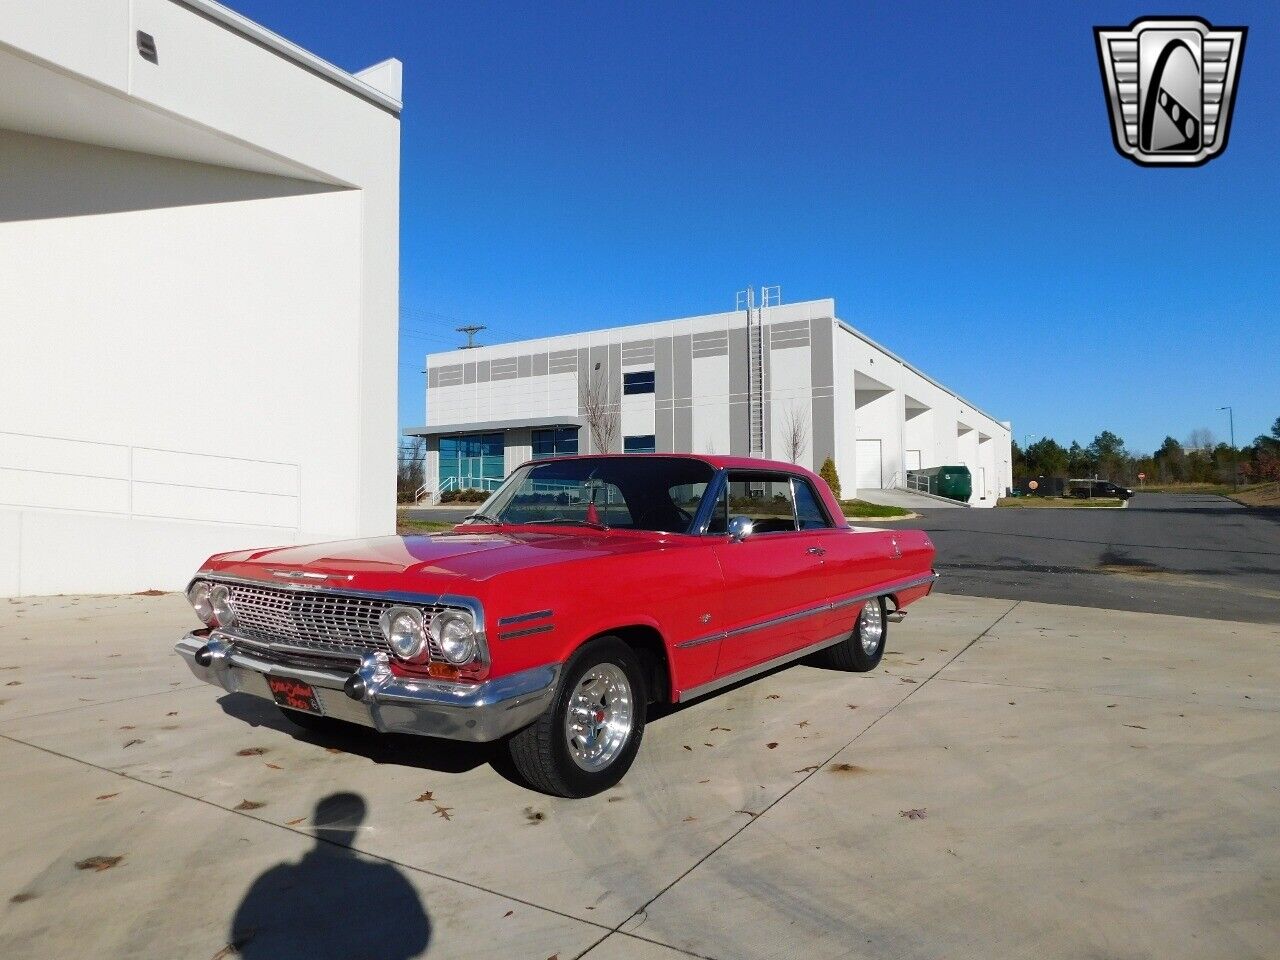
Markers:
522,617
527,632
720,682
732,678
699,641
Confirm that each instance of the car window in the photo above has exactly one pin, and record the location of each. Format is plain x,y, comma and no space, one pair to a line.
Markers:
637,493
809,512
764,498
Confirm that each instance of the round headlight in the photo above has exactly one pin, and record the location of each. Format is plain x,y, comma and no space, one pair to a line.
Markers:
456,637
223,610
198,596
405,633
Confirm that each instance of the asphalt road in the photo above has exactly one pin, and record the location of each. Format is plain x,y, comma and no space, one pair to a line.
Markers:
1183,554
1190,555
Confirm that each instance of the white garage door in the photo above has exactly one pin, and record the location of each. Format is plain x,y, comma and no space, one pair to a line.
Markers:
870,474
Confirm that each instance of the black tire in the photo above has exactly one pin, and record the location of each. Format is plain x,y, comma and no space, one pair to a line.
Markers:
540,752
849,654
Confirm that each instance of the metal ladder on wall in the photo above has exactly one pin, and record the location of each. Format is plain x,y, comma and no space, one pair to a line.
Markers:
756,386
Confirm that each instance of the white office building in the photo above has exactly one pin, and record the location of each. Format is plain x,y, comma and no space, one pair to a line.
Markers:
199,287
784,382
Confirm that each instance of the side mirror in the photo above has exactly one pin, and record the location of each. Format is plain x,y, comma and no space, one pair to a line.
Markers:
740,528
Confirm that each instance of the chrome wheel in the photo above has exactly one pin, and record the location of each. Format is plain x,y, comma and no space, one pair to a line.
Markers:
871,626
598,720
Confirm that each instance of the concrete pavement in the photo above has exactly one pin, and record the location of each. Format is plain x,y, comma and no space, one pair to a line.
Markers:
1017,780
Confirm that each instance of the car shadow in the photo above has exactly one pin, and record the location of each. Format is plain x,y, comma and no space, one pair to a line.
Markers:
399,749
322,905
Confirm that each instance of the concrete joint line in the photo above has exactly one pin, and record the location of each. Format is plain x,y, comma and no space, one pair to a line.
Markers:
786,793
308,836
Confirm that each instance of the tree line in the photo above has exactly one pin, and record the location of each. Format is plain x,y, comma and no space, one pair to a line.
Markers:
1201,459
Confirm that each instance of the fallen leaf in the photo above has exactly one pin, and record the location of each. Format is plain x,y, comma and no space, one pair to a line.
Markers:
251,752
507,914
128,726
14,683
1135,726
708,744
443,811
916,814
424,797
275,766
172,713
686,746
807,769
107,796
704,781
773,696
749,813
294,822
98,864
22,897
802,724
233,948
906,680
1013,703
847,768
852,706
772,745
725,729
689,819
248,805
534,816
1110,705
134,742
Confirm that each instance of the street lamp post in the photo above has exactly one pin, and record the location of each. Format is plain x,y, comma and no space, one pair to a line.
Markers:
1235,465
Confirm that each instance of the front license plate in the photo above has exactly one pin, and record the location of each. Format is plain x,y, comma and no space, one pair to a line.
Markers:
294,694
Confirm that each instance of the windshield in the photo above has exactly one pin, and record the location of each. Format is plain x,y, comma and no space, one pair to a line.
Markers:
627,493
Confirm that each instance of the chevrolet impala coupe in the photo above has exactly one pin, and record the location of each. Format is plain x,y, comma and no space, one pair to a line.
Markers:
583,591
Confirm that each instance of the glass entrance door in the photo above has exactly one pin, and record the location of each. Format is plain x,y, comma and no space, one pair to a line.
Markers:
474,462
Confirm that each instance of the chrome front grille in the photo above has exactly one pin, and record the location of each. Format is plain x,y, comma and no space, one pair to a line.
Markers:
317,620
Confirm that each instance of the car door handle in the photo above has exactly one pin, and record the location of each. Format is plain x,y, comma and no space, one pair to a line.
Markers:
816,551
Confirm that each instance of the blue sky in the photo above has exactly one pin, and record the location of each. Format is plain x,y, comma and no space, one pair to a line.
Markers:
939,169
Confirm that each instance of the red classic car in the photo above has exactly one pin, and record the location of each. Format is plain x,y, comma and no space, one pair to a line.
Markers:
584,590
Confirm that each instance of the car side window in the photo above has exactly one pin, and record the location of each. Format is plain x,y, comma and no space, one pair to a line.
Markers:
765,499
809,513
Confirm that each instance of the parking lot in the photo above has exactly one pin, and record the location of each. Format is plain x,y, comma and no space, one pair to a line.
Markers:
1019,779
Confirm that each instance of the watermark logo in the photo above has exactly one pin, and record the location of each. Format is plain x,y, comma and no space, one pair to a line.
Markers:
1170,83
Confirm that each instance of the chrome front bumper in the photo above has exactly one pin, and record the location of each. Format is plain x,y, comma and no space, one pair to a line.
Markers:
374,697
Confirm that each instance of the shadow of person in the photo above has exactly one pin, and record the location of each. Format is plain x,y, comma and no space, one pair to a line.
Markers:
333,903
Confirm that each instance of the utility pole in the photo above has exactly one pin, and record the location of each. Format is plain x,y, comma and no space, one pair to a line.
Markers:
471,332
1235,455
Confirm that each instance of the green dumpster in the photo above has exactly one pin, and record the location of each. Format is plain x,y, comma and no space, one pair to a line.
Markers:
952,482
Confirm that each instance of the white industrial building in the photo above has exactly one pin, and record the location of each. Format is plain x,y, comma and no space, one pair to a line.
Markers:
742,383
199,232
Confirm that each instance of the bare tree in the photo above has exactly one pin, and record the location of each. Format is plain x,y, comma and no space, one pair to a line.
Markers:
1201,438
409,463
602,413
795,433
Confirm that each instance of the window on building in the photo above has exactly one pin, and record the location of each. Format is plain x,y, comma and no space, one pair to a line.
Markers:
554,443
473,462
641,381
640,444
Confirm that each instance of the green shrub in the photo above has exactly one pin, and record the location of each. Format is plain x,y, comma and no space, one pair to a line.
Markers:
828,473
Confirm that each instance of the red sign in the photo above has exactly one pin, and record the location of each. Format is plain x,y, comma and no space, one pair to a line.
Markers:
1142,476
1034,485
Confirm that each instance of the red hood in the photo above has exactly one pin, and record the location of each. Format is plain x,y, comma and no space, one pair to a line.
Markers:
471,556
